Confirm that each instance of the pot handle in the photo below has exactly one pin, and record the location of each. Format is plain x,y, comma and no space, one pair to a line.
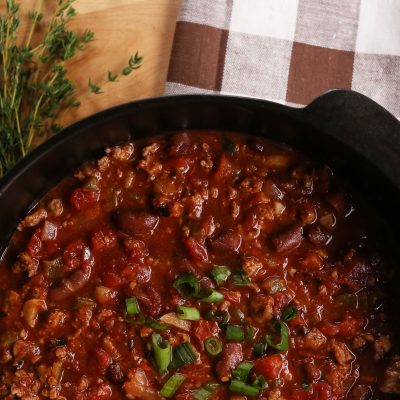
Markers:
362,124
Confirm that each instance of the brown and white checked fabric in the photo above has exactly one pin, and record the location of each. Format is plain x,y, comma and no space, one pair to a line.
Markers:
288,51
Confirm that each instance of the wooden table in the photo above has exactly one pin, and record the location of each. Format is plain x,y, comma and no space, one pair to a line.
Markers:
122,27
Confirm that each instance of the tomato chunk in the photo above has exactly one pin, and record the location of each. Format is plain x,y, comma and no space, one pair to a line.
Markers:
268,366
84,199
103,238
204,329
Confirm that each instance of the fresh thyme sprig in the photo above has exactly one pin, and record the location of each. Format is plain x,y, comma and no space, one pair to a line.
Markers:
34,86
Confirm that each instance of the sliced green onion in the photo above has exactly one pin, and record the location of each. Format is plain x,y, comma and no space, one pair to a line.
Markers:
162,352
190,313
283,345
240,278
132,306
187,285
213,345
222,317
182,355
211,386
259,382
147,321
241,372
172,385
259,349
204,392
212,296
201,394
250,331
234,332
152,323
220,274
242,388
289,313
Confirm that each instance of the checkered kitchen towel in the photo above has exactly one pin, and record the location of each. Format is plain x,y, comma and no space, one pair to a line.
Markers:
288,51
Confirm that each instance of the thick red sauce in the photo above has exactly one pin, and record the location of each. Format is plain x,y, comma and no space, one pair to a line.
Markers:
302,285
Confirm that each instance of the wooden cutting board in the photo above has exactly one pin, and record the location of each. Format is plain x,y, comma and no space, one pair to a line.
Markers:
122,27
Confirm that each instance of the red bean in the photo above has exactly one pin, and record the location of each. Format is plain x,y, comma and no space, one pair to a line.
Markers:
69,286
138,224
229,241
288,240
232,355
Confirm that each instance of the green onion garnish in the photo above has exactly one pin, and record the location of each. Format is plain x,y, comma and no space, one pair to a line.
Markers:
241,372
204,392
132,306
222,317
234,332
212,296
289,313
259,382
240,278
220,274
190,313
183,354
213,345
283,345
162,352
172,385
242,388
147,321
187,285
250,331
259,349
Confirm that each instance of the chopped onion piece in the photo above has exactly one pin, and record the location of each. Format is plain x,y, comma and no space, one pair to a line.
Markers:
49,231
31,310
174,320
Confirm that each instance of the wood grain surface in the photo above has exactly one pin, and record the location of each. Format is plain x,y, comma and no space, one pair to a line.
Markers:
122,27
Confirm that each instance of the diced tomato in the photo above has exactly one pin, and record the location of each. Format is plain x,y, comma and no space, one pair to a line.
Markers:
35,244
203,329
329,329
76,255
104,238
224,168
351,326
84,199
268,366
103,360
197,251
233,297
111,280
296,321
139,273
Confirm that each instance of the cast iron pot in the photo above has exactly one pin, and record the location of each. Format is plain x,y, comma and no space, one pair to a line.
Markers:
358,138
345,129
